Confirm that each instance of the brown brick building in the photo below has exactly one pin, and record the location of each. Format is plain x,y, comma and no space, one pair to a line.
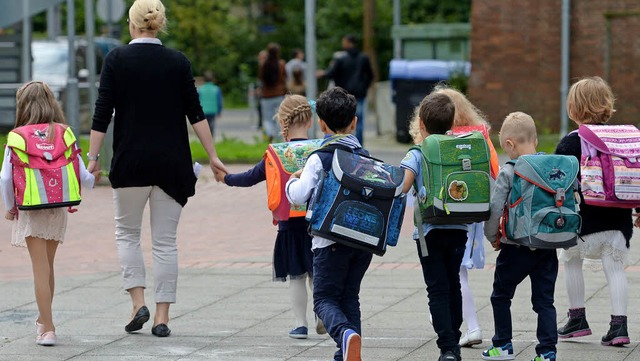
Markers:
516,56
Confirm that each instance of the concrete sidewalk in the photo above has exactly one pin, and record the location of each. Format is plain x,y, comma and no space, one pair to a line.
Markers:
229,309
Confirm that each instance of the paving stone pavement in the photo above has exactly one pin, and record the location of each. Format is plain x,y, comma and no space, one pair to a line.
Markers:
229,309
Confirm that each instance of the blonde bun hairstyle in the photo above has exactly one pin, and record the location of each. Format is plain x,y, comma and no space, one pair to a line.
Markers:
148,15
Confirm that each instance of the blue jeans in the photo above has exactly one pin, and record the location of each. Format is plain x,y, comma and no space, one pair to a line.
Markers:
269,111
441,270
513,265
337,273
211,119
360,110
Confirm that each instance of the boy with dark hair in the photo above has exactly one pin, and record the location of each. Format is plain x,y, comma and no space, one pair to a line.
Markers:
445,242
337,269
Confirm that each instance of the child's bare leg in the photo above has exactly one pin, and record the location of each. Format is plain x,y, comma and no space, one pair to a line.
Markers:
41,280
52,247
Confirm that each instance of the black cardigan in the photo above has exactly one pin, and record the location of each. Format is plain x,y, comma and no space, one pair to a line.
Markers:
151,89
596,219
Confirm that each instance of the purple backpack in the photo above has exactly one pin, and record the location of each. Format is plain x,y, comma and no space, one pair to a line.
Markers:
610,165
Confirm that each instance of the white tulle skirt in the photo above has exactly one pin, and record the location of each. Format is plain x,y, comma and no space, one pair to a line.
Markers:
42,223
593,246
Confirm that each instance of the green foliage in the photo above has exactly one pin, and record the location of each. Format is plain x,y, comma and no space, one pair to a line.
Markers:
428,11
225,36
213,39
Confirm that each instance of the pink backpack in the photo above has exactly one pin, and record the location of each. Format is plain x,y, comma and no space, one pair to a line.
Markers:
45,174
610,165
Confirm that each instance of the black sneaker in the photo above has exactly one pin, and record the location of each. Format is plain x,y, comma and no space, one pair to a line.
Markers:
449,356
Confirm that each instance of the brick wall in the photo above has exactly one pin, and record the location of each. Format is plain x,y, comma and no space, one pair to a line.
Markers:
515,56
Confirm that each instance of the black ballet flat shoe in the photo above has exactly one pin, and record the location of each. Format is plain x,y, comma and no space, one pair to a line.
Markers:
139,319
161,330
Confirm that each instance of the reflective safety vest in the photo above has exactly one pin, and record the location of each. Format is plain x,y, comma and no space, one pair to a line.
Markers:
46,174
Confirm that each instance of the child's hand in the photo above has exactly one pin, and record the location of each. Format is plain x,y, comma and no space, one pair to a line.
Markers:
219,175
10,215
637,221
495,245
296,174
97,174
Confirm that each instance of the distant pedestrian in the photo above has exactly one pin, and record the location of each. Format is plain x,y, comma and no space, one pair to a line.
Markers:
297,85
296,62
151,89
257,89
352,72
272,77
40,230
210,99
292,256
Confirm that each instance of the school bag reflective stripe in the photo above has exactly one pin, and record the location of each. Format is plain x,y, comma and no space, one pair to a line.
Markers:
610,165
45,174
281,160
455,179
358,202
542,210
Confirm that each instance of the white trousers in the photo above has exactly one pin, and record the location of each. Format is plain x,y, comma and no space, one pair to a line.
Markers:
165,214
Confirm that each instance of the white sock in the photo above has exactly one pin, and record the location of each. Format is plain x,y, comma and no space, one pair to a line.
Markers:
617,280
574,280
298,293
468,309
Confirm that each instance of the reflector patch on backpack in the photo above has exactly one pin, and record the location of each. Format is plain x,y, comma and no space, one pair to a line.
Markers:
45,174
282,160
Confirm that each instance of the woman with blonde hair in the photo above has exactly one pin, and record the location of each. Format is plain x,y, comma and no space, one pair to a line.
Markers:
151,89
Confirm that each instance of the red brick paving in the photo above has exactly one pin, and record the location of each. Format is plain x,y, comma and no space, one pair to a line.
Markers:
220,227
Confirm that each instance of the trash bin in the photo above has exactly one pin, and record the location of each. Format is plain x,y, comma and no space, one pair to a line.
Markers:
411,81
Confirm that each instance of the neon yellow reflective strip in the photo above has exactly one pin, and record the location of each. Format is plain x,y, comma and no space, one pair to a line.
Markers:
19,145
73,184
69,138
31,194
15,140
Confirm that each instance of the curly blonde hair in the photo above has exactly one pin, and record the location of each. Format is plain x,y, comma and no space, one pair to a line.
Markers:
294,110
466,113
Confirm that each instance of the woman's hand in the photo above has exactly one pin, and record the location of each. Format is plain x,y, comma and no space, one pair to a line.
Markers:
93,166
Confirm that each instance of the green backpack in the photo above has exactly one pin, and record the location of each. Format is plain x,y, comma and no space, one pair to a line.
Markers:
455,179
